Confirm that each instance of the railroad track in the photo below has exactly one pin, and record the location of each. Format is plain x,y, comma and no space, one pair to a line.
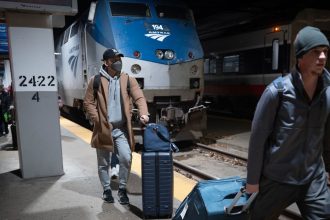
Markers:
217,150
217,154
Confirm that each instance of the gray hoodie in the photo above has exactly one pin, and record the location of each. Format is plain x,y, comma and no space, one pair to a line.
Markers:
115,114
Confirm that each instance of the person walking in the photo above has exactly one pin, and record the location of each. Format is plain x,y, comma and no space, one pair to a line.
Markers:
290,132
4,111
110,113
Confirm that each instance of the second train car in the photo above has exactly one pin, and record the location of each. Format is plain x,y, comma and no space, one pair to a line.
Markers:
161,50
238,67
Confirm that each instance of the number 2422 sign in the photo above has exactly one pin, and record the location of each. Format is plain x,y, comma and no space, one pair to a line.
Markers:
36,83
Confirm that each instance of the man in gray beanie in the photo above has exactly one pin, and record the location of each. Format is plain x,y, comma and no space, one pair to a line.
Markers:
290,132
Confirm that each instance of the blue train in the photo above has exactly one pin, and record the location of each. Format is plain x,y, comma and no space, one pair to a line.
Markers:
5,76
162,51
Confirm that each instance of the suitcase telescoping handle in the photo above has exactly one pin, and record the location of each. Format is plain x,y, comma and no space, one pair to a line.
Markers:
228,210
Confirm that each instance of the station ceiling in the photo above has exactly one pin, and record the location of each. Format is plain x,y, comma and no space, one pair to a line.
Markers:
216,18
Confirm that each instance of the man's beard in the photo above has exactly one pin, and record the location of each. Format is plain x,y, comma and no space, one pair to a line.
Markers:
317,73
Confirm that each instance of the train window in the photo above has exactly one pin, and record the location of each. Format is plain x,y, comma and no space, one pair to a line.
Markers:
327,34
66,35
165,11
253,61
129,9
214,63
230,64
74,29
206,66
3,38
210,65
58,42
275,55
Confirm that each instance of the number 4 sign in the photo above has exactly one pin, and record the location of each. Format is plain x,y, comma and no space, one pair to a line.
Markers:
36,96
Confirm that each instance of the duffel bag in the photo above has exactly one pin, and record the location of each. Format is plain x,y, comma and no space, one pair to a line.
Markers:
156,138
222,199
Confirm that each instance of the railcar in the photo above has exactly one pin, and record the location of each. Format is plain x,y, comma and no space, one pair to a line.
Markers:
239,66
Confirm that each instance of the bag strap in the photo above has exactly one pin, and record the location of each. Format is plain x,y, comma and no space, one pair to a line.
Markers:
160,135
278,83
173,146
128,86
96,84
244,208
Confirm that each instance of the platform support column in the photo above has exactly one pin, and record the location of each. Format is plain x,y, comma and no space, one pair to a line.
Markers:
31,50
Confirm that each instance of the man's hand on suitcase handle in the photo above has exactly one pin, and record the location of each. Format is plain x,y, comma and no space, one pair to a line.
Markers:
144,119
252,188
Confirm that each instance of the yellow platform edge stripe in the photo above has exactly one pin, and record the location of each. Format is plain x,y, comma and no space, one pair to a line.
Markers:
182,185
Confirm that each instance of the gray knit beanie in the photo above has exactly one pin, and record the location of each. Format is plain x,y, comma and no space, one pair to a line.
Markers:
308,38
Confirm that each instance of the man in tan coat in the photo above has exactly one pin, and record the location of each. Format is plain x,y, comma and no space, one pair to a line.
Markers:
110,111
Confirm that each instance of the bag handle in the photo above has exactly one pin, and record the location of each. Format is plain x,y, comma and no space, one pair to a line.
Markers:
228,210
160,135
174,148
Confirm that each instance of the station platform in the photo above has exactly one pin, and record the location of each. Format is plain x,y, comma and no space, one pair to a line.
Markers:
76,194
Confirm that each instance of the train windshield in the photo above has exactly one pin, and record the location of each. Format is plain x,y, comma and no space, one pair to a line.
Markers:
129,9
165,11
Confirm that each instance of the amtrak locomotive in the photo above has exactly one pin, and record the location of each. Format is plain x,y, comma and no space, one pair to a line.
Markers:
161,50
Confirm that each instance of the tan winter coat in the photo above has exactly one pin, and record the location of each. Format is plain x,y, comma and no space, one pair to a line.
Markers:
98,113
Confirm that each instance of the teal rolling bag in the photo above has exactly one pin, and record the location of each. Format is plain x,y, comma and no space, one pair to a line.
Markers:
222,199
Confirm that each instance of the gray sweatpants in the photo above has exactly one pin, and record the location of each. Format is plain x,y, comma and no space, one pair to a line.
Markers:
124,154
313,199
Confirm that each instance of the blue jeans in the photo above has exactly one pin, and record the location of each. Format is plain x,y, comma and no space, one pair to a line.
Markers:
114,160
123,152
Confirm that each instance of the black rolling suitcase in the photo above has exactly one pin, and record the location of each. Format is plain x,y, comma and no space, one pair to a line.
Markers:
157,173
157,184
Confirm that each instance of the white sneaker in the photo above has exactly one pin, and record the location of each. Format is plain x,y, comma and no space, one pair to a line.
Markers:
115,172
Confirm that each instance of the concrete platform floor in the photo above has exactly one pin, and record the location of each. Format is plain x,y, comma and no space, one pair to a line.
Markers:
74,195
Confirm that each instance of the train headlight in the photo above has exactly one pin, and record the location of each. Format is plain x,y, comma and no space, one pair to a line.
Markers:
194,83
164,54
169,54
159,54
193,70
136,68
